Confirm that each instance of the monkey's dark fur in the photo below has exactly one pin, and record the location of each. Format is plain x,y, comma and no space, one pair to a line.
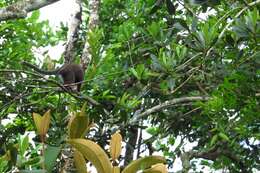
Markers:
70,73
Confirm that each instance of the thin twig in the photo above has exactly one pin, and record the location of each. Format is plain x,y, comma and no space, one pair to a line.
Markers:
193,110
182,66
202,89
181,85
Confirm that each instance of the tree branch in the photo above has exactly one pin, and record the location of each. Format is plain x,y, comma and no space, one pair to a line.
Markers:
181,85
75,95
22,8
211,154
131,145
165,105
69,54
92,24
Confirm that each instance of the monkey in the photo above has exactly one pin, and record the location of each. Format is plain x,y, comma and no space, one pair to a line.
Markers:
70,73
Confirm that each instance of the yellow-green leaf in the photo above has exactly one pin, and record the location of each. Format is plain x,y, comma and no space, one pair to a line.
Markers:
42,122
83,110
143,163
116,169
78,126
157,168
94,153
213,140
223,136
46,121
115,145
37,118
80,162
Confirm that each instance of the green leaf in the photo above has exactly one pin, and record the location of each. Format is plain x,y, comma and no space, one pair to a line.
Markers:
35,16
3,165
4,26
23,144
126,30
213,140
33,162
134,72
152,130
154,29
50,156
172,140
223,136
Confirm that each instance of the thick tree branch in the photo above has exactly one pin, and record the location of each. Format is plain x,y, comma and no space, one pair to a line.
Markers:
22,8
69,53
165,105
131,145
92,24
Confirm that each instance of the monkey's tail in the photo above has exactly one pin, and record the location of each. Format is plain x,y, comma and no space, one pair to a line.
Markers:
46,72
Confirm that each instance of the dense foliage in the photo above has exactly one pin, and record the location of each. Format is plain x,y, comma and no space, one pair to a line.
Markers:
146,53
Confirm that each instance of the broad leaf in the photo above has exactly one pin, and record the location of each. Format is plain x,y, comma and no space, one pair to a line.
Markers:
42,122
50,156
80,162
94,153
115,146
143,163
157,168
79,124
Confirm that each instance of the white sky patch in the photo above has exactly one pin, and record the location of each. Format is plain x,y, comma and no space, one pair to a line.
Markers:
58,12
10,119
54,52
204,16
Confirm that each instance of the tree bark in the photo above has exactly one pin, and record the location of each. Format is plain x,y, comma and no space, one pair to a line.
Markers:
165,105
93,23
22,8
69,54
130,146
